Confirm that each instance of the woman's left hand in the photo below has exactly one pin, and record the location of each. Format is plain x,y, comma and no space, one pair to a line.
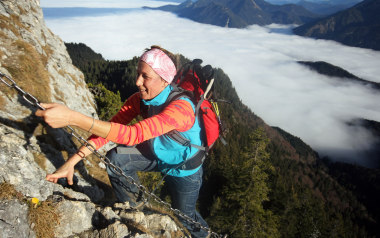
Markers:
56,115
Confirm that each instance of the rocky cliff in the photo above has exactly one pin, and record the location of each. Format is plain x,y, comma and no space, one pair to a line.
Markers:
38,62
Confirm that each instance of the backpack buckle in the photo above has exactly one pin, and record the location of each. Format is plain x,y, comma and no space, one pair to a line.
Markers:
187,143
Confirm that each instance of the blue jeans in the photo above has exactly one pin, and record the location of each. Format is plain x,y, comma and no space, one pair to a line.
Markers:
184,190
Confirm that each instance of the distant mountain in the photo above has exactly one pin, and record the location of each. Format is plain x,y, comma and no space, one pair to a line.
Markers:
320,7
335,71
326,7
240,13
357,26
179,1
331,2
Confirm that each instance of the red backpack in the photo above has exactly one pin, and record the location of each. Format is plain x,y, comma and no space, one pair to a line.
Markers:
196,82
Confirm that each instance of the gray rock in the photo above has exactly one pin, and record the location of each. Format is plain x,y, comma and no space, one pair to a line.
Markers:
14,220
77,217
117,230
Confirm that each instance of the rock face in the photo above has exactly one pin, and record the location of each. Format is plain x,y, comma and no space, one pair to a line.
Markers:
14,221
31,53
38,62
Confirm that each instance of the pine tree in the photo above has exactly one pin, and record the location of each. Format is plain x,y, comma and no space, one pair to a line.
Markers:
240,210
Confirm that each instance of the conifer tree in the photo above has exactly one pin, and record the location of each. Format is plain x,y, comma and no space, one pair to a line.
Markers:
240,211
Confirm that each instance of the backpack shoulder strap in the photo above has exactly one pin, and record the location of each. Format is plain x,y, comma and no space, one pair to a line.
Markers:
177,93
177,137
174,134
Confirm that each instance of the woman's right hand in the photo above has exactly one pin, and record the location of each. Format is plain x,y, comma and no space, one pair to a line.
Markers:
55,114
65,171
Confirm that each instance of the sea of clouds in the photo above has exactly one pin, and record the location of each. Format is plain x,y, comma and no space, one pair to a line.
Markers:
260,61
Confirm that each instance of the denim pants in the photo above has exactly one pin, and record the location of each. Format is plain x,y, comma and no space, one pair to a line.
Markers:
184,190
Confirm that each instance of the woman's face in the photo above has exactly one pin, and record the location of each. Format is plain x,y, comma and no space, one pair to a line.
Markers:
149,83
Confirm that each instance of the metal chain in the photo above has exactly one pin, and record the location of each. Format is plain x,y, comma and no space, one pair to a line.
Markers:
35,102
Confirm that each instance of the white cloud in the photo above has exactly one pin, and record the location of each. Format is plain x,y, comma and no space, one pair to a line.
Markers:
103,3
262,66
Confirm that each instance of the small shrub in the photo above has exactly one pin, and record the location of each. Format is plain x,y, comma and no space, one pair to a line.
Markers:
108,102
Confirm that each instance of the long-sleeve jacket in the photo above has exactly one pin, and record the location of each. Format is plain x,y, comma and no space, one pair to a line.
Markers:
178,115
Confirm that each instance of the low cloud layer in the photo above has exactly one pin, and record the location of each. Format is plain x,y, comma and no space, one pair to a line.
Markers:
261,63
103,3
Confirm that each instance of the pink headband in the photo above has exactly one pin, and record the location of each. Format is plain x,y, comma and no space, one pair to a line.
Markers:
160,63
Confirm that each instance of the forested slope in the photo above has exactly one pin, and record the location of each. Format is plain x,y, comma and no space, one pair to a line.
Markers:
265,182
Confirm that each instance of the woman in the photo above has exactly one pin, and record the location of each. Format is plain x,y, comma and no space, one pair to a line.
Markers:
154,151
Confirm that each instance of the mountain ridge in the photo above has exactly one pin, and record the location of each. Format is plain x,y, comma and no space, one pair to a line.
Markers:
239,13
325,8
357,26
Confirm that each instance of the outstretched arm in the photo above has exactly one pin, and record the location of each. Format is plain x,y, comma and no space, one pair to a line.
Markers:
59,115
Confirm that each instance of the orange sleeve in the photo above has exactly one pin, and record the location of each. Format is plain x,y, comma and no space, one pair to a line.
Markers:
128,111
178,115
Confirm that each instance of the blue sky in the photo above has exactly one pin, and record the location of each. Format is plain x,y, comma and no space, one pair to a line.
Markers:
261,63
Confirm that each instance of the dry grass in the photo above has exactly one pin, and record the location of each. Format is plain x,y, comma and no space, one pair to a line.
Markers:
79,81
2,54
59,95
22,10
39,130
8,23
43,218
97,172
60,71
48,51
2,103
40,159
28,71
2,34
65,155
25,65
8,192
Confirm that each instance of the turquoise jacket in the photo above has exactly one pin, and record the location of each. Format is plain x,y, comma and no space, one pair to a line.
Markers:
170,152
